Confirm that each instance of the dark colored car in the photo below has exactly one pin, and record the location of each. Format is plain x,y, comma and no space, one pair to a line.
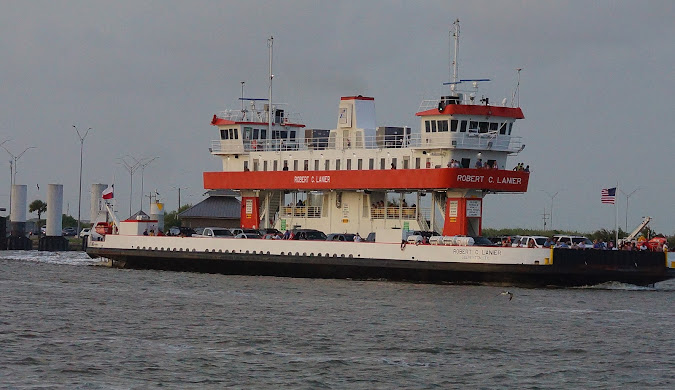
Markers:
265,231
340,237
424,233
308,234
69,231
181,231
482,241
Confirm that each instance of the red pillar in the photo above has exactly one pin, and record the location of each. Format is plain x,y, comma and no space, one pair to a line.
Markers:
460,213
250,217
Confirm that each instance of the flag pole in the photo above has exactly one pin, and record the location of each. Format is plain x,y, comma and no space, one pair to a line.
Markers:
616,217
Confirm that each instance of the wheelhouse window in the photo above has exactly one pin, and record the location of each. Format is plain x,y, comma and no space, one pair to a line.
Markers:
462,127
224,134
433,126
493,126
502,128
473,126
453,125
427,125
442,126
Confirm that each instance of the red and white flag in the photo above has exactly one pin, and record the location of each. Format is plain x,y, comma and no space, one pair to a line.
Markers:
108,193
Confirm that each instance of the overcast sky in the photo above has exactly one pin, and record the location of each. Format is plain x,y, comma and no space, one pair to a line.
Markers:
596,90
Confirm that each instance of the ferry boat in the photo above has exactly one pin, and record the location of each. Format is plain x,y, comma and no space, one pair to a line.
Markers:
381,181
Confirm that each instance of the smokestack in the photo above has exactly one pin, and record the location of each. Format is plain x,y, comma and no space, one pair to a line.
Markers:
96,205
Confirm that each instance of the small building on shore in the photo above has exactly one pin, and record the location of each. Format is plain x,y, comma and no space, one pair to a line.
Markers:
220,209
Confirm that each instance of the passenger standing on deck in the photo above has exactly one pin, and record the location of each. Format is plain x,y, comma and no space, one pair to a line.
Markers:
479,163
549,242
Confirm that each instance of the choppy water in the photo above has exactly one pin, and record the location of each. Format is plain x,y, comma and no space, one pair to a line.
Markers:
66,324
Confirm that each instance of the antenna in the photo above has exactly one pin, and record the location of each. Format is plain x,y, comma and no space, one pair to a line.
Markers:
270,45
455,66
242,97
516,91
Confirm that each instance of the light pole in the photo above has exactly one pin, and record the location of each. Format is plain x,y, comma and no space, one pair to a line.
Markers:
12,175
79,193
131,168
144,164
552,197
628,197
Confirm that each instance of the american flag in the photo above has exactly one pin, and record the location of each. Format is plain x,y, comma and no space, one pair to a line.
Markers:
608,195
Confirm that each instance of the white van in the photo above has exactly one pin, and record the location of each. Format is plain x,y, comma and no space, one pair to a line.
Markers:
529,242
573,241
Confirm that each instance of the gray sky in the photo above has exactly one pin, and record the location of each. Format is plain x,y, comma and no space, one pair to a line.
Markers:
147,76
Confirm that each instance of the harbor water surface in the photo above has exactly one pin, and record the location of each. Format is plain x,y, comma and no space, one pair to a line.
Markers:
67,324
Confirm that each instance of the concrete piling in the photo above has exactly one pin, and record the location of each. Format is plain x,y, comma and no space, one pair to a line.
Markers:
54,240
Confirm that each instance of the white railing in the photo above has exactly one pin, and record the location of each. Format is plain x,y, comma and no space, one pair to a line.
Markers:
253,114
393,212
451,140
301,211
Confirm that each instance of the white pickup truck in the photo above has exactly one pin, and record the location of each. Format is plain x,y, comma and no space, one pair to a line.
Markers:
215,232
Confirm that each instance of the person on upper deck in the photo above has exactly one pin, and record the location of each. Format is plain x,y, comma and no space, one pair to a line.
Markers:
479,163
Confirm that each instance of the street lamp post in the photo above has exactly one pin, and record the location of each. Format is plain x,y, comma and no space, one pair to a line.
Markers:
79,193
628,197
143,165
12,175
131,168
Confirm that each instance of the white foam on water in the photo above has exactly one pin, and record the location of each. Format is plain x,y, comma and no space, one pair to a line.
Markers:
66,257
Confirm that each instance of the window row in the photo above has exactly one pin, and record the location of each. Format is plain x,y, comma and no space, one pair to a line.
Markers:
351,164
251,133
440,126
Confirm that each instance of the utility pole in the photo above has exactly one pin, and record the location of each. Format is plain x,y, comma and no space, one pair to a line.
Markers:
552,198
545,217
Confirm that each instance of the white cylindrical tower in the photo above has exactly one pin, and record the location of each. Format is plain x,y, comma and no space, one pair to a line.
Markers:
19,194
18,215
54,210
96,205
157,212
